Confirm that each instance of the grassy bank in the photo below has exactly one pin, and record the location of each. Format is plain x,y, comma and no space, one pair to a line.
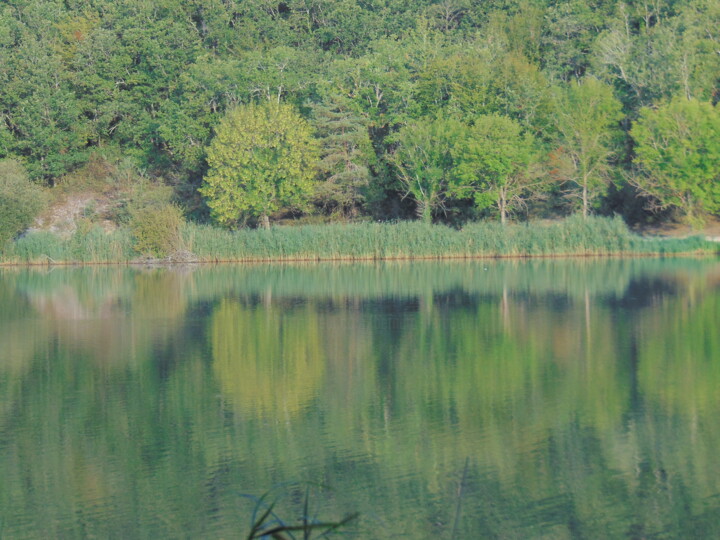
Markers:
571,237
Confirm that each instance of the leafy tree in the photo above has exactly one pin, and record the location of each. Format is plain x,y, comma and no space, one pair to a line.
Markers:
484,81
345,155
205,90
587,114
701,62
280,73
424,161
493,164
569,31
461,81
647,66
519,28
380,83
678,151
41,109
151,79
20,200
524,94
262,157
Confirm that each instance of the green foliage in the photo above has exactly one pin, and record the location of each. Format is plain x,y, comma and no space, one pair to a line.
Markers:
153,80
569,32
487,81
424,160
345,156
492,163
87,245
415,239
587,118
654,52
156,229
678,150
153,219
261,159
20,200
43,111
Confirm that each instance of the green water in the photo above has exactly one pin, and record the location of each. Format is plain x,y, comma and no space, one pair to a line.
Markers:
541,399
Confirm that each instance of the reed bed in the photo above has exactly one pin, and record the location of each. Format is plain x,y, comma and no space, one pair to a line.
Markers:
573,236
373,241
94,246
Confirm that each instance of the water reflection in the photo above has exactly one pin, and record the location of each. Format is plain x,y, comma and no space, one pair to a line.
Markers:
267,356
580,394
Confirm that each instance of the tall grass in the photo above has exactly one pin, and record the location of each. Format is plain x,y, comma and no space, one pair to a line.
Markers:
90,246
573,236
364,241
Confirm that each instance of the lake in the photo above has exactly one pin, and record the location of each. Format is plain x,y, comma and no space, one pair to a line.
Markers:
485,399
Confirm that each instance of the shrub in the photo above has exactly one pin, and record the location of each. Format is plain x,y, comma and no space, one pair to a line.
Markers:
20,200
156,229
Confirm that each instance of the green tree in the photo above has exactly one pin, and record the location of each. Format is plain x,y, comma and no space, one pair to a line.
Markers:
678,151
480,80
424,161
262,157
41,109
569,31
587,114
20,200
650,65
493,164
346,153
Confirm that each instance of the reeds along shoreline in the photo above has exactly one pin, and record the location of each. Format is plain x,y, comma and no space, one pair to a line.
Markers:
574,236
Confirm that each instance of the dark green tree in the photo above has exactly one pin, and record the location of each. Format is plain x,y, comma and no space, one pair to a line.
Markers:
345,156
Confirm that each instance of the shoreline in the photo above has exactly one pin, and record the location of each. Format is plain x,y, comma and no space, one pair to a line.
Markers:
350,260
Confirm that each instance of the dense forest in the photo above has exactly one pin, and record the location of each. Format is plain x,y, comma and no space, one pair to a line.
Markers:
243,111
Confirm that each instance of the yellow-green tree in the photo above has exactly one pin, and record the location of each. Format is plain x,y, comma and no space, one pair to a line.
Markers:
261,159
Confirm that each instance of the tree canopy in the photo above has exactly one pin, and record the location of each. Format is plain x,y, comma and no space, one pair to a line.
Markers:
678,151
587,116
424,160
262,158
153,82
493,162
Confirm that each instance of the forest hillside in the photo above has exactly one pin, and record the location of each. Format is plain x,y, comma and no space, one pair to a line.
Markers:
251,112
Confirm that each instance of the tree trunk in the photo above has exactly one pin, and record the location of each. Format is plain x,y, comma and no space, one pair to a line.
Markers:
502,206
585,200
265,221
424,211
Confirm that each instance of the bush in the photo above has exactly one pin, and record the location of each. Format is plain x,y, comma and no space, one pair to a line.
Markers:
20,200
156,229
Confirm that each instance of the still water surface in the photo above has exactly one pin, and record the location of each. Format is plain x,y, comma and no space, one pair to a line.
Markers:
541,399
